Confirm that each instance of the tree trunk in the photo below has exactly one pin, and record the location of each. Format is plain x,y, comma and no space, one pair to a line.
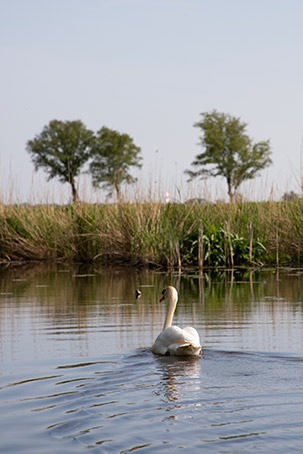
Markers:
74,192
118,192
231,192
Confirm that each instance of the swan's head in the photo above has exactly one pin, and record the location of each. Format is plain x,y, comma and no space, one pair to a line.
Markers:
170,294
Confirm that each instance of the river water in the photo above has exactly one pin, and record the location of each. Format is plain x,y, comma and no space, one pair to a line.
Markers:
77,373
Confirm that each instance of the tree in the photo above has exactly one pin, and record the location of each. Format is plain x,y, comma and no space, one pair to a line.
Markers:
229,151
112,156
61,149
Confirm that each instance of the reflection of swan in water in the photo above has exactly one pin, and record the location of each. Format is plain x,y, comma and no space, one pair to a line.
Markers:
180,377
174,340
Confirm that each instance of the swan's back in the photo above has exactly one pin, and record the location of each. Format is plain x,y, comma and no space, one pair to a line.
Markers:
177,341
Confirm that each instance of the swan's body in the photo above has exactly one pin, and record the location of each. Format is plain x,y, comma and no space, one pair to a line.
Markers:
174,340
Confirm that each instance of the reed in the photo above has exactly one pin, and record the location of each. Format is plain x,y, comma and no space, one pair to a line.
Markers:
155,234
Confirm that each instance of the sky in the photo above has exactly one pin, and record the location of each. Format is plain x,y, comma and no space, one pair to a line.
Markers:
149,68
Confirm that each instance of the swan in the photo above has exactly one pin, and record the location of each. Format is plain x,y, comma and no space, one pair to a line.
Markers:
174,340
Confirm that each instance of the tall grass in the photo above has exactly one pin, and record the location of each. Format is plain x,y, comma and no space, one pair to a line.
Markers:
171,235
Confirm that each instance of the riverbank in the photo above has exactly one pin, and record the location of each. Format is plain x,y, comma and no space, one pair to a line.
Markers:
156,234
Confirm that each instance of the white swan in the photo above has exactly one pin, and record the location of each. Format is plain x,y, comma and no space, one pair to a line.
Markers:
174,340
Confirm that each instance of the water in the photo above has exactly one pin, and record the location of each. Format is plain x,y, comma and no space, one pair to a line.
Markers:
77,373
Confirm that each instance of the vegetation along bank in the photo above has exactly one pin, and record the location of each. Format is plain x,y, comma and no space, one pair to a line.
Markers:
167,236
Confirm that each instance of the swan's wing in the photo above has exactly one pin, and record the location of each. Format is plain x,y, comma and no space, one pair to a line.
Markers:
192,335
165,338
175,340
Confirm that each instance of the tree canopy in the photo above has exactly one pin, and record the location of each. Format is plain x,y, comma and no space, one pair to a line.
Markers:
228,151
113,155
61,149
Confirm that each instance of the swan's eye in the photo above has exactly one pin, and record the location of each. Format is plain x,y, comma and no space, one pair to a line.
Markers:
163,291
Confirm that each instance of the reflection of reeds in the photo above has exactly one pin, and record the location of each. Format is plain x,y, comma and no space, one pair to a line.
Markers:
171,235
87,299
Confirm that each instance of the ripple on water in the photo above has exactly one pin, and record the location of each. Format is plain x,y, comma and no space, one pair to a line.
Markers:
226,401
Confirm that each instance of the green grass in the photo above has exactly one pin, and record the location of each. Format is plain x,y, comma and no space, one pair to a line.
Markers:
156,234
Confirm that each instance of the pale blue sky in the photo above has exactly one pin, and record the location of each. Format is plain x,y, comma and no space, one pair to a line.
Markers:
149,68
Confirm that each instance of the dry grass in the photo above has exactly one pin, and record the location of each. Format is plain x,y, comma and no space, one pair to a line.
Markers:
155,234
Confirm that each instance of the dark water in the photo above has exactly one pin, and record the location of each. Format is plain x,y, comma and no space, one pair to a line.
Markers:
77,373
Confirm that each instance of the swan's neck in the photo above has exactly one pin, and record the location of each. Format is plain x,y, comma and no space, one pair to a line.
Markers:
170,313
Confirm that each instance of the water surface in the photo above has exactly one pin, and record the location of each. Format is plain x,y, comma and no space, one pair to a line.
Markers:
77,372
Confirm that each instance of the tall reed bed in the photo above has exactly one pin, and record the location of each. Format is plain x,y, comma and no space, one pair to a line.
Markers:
155,234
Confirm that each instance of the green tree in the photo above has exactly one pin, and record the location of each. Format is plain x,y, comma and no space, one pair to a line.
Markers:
112,156
61,149
229,152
